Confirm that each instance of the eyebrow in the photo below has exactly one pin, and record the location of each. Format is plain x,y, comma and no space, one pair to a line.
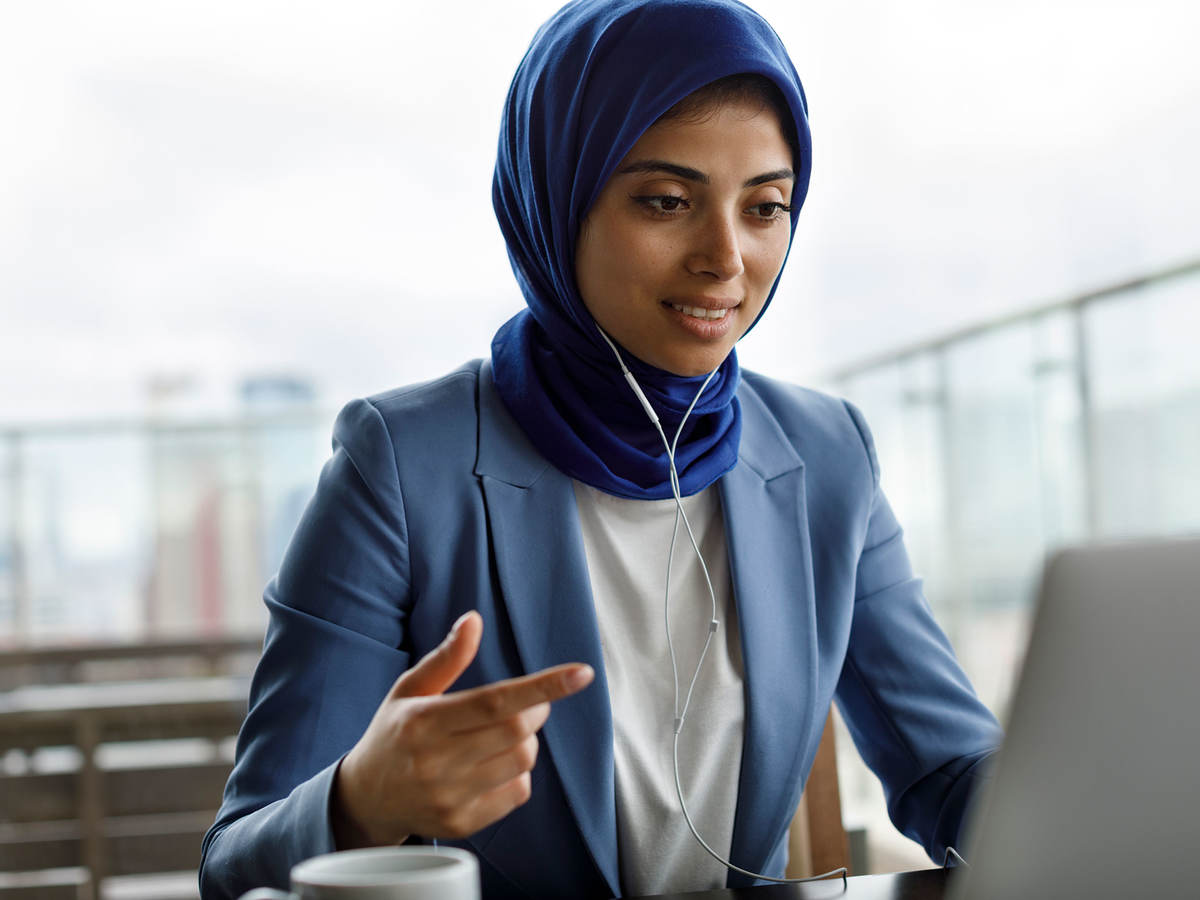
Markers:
690,174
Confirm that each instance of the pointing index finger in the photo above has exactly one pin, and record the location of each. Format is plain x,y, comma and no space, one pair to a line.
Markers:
491,703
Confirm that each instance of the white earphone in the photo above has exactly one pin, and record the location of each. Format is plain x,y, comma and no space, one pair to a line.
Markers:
713,624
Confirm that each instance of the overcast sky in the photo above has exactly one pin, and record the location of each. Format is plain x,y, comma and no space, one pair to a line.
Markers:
224,188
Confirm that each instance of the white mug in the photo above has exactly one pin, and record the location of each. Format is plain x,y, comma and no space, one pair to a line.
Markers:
382,873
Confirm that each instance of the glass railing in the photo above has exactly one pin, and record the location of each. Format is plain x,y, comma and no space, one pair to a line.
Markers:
143,529
1073,421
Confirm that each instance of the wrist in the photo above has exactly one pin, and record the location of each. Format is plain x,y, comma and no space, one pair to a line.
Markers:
349,833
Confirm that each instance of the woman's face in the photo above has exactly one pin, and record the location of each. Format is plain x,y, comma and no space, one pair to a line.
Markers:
677,256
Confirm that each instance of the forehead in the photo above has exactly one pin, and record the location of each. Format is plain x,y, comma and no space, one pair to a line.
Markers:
737,133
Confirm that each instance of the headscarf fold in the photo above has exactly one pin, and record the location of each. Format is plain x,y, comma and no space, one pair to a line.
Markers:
596,76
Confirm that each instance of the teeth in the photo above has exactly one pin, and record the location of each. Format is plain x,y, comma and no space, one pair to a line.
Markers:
700,312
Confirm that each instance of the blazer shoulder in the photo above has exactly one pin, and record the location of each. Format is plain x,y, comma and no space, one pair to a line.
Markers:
436,410
448,395
424,430
819,425
792,399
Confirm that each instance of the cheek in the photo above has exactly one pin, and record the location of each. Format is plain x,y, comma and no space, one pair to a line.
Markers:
614,272
635,261
768,259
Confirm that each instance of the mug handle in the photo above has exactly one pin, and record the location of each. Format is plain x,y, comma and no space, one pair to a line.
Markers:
265,893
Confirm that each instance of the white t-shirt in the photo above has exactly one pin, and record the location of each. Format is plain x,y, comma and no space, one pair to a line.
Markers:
627,542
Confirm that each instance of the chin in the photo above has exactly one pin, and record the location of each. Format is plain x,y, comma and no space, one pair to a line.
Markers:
693,372
691,366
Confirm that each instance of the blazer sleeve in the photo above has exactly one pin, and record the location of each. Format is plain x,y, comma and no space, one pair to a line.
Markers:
333,648
909,706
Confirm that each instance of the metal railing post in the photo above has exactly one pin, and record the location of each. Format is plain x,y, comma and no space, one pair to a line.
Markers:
1087,424
22,609
952,610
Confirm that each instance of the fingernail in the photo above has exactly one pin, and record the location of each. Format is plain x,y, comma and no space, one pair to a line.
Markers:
458,624
578,678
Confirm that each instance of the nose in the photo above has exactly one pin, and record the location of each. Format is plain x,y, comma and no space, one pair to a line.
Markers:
717,251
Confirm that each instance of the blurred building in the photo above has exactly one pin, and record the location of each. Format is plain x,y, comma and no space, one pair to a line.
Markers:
167,525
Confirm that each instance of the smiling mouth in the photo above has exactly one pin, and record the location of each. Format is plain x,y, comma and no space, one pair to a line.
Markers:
699,312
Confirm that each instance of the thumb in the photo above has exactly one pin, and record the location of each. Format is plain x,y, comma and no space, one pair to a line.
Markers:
440,667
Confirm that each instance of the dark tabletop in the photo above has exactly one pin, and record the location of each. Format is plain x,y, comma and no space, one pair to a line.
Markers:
928,884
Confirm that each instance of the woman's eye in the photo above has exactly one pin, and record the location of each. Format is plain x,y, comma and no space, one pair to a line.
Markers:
768,212
663,203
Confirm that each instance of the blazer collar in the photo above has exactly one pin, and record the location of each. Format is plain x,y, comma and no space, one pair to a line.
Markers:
505,453
764,448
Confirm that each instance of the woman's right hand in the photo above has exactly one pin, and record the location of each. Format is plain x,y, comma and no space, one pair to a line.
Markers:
446,765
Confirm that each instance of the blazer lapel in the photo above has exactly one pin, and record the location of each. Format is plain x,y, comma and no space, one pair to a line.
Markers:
771,566
542,568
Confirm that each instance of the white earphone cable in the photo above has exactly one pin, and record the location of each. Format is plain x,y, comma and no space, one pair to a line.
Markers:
713,624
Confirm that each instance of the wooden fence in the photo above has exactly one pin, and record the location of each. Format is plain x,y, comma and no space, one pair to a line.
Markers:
104,778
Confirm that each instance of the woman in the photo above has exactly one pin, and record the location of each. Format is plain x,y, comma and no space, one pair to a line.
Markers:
505,530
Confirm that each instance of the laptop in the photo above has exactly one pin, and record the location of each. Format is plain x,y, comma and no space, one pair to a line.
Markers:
1096,791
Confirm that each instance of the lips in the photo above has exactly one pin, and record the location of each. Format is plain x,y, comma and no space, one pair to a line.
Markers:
705,308
706,318
700,312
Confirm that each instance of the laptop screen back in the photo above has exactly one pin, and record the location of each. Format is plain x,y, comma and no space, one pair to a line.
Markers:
1096,792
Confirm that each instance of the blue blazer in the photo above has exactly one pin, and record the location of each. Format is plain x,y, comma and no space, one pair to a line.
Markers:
435,503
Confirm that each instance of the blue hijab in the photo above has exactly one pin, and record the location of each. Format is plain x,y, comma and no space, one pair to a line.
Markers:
597,75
